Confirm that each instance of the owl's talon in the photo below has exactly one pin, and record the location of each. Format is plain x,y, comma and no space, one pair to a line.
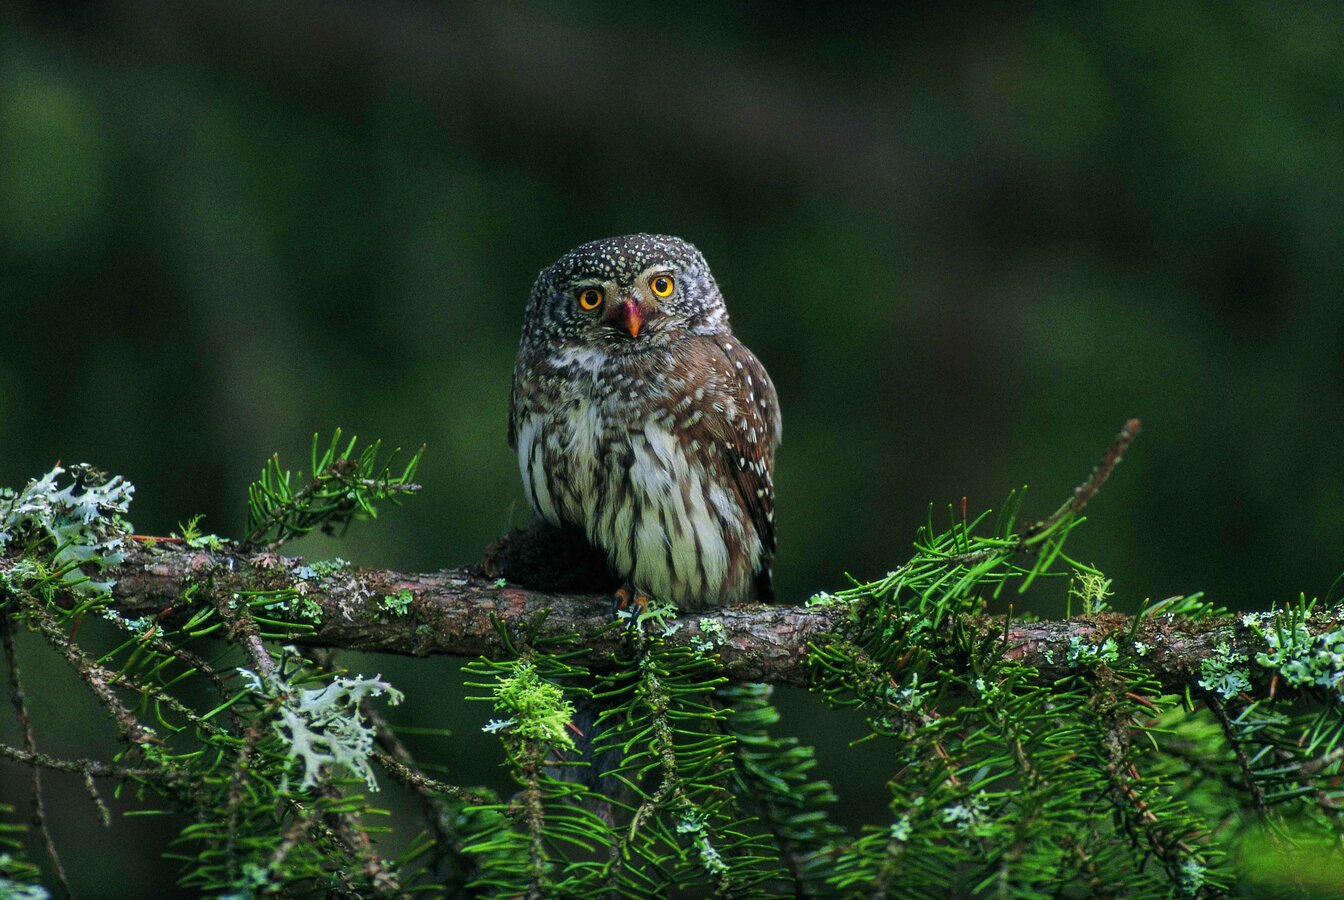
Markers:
630,604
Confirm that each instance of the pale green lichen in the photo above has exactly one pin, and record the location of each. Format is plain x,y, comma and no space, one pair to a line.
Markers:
138,625
19,890
909,696
307,608
654,612
399,604
1093,589
323,726
989,690
1193,875
322,568
1259,620
1306,660
1224,672
536,710
693,823
1081,653
900,829
970,818
711,635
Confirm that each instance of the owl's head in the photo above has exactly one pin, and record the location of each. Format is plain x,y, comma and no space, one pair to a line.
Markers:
625,294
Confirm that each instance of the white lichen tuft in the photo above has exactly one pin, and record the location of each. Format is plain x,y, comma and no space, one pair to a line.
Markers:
323,725
81,521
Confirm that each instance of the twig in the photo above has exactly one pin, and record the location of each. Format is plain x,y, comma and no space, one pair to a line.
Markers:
95,676
529,766
1251,784
278,514
345,825
30,744
293,834
1084,493
182,655
242,629
104,814
88,767
236,782
427,788
1081,496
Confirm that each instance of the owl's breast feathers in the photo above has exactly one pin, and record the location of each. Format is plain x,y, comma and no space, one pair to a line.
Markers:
664,458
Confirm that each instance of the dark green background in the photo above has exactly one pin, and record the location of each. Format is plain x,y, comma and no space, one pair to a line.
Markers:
966,242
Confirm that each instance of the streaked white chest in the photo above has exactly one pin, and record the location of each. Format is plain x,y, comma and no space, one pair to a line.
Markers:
641,495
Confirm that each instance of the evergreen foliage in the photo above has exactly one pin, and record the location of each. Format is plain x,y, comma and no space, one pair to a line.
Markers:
343,486
654,775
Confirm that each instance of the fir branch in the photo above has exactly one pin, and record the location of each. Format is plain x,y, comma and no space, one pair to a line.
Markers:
1027,757
233,803
344,822
343,485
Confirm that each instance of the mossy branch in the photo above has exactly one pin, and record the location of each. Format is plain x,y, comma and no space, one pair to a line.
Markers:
458,612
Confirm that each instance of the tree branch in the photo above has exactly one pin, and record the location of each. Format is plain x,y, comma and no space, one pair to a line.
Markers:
454,612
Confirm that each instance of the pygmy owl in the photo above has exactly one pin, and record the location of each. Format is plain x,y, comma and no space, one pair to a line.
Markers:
640,419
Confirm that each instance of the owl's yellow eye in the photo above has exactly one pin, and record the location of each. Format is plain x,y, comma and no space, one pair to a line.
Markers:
590,298
662,285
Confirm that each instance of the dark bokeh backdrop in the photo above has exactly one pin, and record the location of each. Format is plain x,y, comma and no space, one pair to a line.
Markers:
967,243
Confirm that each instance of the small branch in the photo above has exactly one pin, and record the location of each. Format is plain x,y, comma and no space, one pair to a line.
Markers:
87,767
30,745
95,676
242,629
428,789
306,493
237,781
1084,493
104,814
1249,780
185,656
1081,496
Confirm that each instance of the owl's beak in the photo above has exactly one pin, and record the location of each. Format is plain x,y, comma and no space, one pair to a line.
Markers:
627,315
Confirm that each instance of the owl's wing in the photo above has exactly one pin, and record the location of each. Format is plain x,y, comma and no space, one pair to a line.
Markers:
746,431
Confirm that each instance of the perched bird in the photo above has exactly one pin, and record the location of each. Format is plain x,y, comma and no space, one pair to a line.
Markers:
641,420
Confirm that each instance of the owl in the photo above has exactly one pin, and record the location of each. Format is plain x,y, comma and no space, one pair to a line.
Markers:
640,420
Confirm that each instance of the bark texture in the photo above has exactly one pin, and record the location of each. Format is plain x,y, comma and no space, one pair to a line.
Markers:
455,612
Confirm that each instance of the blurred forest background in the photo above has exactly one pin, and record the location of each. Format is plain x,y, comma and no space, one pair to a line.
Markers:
967,242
